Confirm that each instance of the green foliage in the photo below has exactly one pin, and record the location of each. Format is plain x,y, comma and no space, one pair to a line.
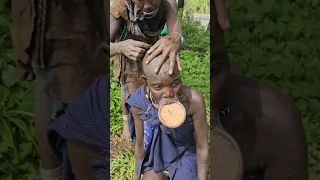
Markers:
18,149
197,6
276,42
195,73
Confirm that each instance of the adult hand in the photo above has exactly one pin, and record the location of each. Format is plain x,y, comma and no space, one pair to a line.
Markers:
222,14
168,46
134,50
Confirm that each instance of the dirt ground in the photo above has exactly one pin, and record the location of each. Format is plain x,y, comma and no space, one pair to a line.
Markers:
119,144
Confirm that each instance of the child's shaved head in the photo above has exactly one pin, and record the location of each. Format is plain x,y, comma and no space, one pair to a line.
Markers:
149,69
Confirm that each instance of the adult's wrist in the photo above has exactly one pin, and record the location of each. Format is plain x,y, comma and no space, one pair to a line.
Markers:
119,47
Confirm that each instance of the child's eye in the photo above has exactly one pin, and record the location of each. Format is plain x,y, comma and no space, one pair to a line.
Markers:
176,83
156,87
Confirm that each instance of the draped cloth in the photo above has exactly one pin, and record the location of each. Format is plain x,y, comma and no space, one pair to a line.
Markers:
87,120
171,150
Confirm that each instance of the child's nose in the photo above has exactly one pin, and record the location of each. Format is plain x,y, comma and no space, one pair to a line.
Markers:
168,94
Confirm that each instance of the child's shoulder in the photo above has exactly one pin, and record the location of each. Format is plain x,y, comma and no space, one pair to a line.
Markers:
193,95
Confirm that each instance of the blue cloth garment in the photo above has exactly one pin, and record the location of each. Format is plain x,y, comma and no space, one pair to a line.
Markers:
87,119
252,176
168,149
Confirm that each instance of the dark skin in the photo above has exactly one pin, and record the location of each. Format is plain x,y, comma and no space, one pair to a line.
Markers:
267,126
164,88
81,166
265,122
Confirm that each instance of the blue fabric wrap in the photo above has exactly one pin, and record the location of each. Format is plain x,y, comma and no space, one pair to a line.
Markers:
173,150
87,120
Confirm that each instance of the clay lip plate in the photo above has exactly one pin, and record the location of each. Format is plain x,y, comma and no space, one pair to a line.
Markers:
172,115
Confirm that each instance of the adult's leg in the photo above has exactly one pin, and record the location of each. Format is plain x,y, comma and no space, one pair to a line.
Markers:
43,116
131,84
125,113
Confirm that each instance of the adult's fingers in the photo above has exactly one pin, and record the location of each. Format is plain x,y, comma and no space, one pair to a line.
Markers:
178,62
154,47
153,55
138,50
172,61
222,14
134,56
161,60
141,44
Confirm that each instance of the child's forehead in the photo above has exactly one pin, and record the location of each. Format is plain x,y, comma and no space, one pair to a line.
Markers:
164,77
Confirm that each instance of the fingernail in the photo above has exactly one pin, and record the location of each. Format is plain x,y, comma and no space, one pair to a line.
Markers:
147,62
156,70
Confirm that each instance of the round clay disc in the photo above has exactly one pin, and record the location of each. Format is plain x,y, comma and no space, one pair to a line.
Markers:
172,115
225,156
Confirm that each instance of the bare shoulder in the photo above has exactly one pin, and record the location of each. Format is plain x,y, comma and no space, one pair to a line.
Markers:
169,3
278,106
281,121
170,6
268,104
195,97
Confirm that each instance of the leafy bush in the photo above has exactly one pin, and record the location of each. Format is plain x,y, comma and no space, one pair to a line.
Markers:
18,150
276,42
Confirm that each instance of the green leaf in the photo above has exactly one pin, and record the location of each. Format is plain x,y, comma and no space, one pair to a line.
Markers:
281,28
266,5
268,27
9,76
24,150
270,43
28,101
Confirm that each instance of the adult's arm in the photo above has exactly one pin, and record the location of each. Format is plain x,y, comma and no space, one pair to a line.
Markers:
115,27
172,19
201,133
139,150
132,49
169,45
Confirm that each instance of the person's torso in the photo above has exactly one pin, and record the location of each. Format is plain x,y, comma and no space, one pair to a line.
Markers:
151,28
239,114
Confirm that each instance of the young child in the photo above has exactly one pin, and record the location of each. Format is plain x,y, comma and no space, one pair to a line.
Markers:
135,25
160,151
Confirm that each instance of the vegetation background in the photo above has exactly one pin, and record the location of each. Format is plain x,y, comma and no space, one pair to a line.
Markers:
273,41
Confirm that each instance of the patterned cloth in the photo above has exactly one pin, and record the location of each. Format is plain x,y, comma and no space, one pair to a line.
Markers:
86,120
147,135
